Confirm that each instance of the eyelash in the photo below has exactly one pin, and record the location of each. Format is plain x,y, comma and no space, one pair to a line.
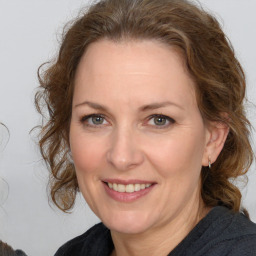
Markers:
167,118
84,120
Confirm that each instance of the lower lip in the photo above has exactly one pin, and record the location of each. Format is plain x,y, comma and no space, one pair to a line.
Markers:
127,197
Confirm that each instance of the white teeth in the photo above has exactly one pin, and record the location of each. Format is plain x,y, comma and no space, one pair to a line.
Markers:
121,188
115,186
130,188
137,187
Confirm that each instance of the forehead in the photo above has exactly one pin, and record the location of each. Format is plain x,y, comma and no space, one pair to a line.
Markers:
133,70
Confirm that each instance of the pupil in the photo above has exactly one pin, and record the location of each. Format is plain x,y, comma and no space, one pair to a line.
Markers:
97,120
160,120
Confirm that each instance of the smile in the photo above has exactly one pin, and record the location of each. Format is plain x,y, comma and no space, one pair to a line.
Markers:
127,191
129,188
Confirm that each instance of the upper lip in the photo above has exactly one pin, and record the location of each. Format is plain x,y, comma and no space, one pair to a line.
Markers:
126,182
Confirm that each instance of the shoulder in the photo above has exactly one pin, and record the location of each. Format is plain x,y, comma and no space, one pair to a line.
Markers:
91,242
245,245
221,232
230,234
236,226
239,236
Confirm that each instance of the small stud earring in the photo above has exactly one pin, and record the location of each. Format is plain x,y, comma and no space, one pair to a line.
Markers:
209,163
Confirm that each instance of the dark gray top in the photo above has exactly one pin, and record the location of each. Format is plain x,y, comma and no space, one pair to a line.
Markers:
220,233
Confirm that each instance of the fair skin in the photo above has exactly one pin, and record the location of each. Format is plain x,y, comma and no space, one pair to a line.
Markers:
135,120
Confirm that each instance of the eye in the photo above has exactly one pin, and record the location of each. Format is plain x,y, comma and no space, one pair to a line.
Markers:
161,121
94,120
97,120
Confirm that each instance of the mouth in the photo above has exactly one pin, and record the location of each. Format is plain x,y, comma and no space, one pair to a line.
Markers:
127,191
129,188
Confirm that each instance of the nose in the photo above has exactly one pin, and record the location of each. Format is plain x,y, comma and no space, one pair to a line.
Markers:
124,152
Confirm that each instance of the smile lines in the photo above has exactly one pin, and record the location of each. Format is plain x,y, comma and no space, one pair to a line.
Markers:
129,188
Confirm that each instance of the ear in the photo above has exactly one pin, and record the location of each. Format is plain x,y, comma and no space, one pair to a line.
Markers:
216,135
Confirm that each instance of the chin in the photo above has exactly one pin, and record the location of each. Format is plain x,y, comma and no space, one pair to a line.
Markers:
127,222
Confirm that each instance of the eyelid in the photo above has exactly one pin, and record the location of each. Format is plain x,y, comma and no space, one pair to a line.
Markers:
169,119
85,118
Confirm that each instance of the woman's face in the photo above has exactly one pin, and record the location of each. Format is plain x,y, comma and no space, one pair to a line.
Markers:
136,134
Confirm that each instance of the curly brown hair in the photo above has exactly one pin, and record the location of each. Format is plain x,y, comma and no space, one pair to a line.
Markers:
210,59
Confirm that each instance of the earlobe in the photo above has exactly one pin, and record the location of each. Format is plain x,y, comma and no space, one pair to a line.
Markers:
217,135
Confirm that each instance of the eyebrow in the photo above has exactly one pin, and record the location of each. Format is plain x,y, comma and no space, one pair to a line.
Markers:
159,105
92,105
143,108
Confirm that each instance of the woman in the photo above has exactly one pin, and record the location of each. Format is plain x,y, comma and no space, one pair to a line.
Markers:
146,119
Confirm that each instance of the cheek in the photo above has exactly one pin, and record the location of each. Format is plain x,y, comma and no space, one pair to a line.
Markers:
179,156
87,153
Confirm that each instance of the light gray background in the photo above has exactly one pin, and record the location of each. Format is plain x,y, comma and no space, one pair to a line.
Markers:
28,37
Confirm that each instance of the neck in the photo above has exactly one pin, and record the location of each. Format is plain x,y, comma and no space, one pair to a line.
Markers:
163,239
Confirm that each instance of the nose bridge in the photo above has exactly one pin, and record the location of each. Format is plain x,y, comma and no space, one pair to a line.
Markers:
124,152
